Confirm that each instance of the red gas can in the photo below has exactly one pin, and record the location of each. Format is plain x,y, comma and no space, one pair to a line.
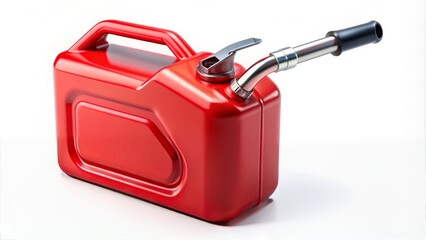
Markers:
189,132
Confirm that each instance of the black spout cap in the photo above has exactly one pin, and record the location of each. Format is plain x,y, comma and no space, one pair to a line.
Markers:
357,36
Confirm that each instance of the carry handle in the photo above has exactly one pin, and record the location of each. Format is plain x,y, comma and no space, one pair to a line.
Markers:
97,35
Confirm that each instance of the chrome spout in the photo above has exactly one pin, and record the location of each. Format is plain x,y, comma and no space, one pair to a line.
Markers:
335,43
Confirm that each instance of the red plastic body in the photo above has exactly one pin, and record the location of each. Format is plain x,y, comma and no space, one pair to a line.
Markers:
143,123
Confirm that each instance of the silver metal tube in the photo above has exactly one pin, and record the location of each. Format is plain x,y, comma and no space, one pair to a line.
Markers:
245,84
316,49
281,60
335,43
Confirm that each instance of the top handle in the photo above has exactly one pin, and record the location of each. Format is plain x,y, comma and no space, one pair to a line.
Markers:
98,33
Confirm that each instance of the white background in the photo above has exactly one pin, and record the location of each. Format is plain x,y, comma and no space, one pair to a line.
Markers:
352,137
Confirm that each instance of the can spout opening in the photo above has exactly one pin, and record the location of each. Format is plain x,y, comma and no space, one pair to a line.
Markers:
379,31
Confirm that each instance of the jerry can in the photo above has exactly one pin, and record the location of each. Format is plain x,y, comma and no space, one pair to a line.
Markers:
194,132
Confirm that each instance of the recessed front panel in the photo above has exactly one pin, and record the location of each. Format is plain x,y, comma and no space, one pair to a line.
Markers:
125,144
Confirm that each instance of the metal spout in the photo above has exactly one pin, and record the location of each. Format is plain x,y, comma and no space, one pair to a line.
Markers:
335,43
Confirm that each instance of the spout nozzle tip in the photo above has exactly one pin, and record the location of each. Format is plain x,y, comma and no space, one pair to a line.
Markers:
357,36
378,31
